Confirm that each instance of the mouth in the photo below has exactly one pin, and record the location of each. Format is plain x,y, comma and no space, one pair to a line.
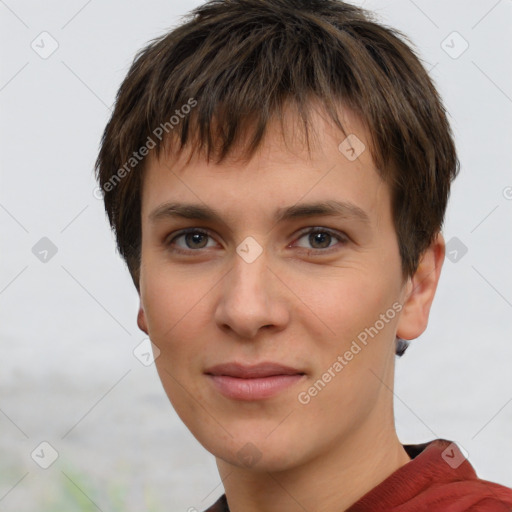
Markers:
257,382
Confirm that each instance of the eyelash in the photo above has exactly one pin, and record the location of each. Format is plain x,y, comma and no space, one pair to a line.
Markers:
342,238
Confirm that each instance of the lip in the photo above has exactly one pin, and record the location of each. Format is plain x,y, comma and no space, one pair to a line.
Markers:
252,382
242,371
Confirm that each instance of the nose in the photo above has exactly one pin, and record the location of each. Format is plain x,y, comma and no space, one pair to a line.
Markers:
251,298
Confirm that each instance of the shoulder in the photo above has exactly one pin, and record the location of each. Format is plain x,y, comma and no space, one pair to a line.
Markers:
453,485
438,478
482,496
474,495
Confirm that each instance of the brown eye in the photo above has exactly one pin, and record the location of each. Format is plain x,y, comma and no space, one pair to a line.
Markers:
321,239
195,240
189,240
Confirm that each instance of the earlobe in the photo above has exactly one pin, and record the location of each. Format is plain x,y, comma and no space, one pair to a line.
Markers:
141,320
420,290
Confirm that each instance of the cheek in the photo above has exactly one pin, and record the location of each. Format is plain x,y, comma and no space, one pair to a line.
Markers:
174,305
176,315
352,308
349,303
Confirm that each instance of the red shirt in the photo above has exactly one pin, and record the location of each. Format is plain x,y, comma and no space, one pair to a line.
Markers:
437,479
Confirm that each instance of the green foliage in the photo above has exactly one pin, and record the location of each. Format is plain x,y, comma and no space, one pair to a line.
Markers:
79,493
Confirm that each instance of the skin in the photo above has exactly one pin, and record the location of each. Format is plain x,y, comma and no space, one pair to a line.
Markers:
210,306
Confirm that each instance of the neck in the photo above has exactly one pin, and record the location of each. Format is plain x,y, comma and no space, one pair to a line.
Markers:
330,482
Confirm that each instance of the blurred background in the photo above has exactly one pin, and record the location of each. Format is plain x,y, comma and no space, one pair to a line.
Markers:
78,395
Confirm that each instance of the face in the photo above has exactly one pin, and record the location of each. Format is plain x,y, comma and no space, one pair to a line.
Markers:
268,283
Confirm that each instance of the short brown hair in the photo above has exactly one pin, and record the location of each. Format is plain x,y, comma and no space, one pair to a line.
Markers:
240,61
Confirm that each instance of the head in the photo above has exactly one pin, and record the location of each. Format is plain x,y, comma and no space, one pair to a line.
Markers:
251,109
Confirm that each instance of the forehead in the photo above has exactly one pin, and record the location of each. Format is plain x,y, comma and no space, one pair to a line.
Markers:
282,171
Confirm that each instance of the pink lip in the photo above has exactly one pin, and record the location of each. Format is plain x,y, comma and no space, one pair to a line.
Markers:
256,382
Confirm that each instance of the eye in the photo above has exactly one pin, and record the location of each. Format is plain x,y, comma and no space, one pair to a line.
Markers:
320,239
192,238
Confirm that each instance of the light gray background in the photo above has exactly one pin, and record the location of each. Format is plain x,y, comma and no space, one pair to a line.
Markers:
68,326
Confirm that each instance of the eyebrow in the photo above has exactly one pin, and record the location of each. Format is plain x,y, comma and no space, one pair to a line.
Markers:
330,208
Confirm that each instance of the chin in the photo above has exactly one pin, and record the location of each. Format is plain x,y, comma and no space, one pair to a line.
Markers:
258,452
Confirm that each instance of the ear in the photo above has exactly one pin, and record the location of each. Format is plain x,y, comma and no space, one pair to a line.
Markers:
141,319
420,290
